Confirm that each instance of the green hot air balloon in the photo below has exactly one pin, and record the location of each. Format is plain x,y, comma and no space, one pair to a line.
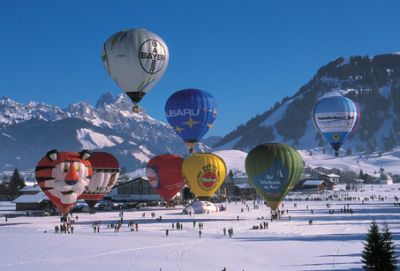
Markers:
273,169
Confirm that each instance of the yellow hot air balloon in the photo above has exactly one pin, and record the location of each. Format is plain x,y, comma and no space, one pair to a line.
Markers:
204,173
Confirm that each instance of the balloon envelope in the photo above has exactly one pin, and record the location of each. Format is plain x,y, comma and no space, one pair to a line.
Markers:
135,59
204,173
164,173
105,175
335,117
273,169
63,177
191,113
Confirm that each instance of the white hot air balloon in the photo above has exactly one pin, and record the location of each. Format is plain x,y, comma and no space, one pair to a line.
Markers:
135,59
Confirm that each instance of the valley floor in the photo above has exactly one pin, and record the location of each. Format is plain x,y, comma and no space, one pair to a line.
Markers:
332,242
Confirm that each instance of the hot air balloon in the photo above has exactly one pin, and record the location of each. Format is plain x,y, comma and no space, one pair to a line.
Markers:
63,177
335,117
135,59
164,173
273,169
191,112
204,173
105,174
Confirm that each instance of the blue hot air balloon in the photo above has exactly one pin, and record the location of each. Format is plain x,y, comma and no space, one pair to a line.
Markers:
335,117
191,113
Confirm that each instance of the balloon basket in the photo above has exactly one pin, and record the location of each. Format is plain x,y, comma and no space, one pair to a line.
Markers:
136,109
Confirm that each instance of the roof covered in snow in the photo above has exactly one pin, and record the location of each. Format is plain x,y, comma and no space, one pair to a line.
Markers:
35,188
36,198
313,182
332,175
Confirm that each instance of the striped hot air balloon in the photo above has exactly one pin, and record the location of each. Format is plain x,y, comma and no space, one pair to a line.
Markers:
273,169
105,175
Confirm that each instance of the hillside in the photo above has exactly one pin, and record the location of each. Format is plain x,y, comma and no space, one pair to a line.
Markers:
372,82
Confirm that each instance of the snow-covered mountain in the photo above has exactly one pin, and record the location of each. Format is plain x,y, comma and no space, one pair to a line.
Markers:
28,131
372,82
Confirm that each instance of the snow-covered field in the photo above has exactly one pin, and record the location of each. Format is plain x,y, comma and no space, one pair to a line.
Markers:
332,242
369,164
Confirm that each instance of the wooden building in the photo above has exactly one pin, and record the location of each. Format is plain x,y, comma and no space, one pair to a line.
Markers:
313,186
137,189
32,198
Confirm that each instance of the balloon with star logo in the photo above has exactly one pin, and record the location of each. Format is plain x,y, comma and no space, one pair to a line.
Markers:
135,59
335,118
191,113
204,173
273,169
164,173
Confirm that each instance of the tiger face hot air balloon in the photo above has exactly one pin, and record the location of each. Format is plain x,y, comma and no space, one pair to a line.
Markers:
335,118
204,173
105,175
164,173
273,169
135,59
63,177
191,113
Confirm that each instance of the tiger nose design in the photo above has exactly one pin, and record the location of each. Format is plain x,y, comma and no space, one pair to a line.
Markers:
72,176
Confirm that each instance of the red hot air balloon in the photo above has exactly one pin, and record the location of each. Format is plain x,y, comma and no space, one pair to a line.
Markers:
63,177
164,173
105,175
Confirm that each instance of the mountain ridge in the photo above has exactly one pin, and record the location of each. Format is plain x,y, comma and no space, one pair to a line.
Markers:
28,131
372,82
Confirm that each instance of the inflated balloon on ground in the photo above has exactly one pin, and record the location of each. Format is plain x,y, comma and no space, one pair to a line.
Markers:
204,173
274,169
63,177
164,173
105,175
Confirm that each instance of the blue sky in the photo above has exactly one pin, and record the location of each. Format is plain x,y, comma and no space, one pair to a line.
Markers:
248,54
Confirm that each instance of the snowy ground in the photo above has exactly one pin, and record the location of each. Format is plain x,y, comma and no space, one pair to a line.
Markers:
333,242
368,163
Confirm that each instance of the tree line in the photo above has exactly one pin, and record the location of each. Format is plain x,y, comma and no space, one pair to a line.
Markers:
10,186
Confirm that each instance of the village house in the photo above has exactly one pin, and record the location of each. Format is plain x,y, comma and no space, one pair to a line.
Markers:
32,198
137,189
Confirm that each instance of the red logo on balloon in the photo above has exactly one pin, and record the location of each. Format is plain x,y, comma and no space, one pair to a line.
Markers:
208,179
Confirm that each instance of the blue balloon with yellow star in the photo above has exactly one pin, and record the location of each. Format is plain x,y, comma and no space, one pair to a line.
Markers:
191,113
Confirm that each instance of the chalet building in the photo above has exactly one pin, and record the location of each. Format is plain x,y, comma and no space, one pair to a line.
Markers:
313,186
384,178
236,186
32,198
239,179
333,178
137,189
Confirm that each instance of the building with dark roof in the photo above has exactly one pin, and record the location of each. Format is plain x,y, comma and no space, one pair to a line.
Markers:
313,186
137,189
